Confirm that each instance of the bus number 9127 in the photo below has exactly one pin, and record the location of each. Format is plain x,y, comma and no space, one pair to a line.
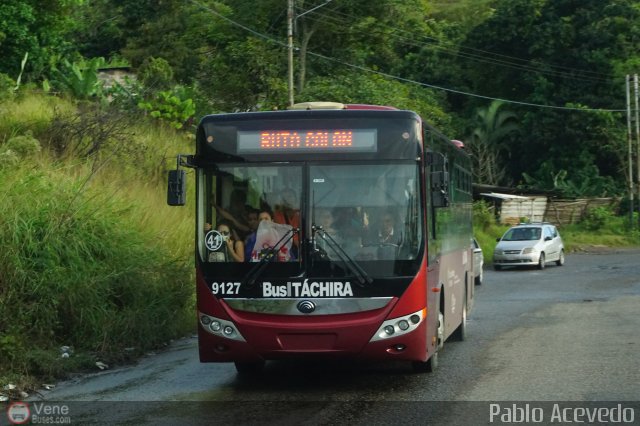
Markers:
340,231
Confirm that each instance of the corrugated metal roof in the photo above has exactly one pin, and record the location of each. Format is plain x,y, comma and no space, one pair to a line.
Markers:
504,196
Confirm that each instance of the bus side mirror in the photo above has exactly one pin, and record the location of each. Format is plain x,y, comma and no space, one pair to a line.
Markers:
177,188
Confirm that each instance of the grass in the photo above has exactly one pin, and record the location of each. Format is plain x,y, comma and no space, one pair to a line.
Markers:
92,257
30,111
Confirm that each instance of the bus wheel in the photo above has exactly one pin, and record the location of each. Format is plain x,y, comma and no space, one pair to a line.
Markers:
478,280
461,332
249,368
431,364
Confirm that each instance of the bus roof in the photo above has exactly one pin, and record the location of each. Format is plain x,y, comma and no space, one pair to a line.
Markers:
337,105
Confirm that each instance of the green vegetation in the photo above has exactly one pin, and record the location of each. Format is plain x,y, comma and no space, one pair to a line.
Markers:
600,228
92,257
558,67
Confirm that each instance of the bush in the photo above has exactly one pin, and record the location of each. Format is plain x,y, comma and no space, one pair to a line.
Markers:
7,86
79,268
597,218
483,215
23,146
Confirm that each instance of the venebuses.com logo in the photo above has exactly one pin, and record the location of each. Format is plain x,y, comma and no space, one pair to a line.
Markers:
20,413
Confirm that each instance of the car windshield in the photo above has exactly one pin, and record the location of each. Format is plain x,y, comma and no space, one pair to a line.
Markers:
522,234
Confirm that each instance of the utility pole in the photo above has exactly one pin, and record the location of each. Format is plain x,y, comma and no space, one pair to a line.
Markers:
635,86
290,18
630,151
290,46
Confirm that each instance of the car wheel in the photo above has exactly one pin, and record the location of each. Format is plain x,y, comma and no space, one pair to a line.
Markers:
560,260
541,261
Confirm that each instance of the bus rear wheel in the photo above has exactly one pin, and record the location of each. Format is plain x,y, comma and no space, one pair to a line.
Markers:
460,333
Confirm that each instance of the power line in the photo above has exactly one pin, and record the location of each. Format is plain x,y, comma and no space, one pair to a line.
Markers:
483,56
406,80
459,92
480,51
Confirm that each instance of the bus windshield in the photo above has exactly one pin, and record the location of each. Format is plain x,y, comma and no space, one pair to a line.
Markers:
370,211
348,212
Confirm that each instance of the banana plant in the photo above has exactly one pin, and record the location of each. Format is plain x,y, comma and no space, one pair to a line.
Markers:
80,79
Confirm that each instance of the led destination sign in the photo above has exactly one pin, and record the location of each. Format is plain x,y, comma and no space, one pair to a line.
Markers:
300,141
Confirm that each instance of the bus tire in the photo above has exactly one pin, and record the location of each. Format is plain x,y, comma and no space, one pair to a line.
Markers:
430,365
478,280
460,333
249,368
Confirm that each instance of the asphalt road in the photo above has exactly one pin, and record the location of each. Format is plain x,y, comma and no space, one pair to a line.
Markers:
567,334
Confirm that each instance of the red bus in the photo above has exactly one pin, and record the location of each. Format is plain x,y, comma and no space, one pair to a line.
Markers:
372,255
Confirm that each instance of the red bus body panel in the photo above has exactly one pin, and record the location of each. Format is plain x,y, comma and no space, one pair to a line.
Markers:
322,336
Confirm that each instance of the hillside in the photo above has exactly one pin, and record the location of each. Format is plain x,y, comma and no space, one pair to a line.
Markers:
93,260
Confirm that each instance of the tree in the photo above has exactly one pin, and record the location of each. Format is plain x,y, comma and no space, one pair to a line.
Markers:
34,27
559,53
493,125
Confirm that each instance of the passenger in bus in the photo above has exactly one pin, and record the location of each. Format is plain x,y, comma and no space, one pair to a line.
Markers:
250,241
388,233
385,235
234,245
323,220
350,225
288,213
269,234
237,212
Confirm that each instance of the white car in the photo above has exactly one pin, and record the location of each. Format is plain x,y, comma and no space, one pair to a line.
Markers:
532,244
478,261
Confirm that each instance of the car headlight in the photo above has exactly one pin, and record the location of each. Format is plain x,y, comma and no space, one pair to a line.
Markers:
497,252
529,250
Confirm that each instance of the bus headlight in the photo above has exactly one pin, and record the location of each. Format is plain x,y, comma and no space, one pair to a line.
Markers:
220,327
399,326
215,326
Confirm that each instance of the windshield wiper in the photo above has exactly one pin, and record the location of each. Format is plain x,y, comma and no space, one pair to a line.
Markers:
254,273
353,266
